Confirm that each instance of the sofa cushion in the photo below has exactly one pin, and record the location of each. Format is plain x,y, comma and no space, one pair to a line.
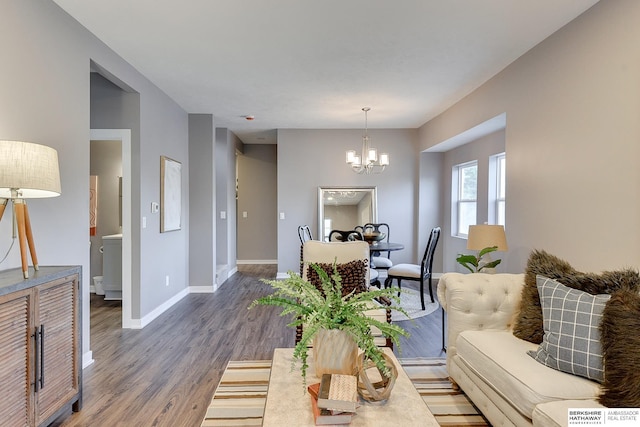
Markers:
528,323
620,343
502,362
572,318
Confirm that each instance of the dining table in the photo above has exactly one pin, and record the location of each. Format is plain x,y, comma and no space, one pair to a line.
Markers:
376,247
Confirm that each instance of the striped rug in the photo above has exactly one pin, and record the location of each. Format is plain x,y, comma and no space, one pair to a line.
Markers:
240,397
450,406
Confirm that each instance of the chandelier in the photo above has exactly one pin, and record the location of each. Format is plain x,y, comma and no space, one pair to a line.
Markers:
367,162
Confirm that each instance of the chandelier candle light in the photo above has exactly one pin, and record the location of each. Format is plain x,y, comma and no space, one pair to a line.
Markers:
367,162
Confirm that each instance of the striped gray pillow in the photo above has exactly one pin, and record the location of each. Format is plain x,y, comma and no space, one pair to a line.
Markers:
571,321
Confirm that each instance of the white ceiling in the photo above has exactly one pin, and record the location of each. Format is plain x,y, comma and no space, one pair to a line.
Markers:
315,64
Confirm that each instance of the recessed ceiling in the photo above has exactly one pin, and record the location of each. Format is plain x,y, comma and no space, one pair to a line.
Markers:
314,65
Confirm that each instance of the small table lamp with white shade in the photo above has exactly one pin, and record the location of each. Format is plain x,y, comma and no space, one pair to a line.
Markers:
27,171
484,238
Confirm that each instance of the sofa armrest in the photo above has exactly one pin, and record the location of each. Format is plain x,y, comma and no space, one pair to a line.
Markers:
478,301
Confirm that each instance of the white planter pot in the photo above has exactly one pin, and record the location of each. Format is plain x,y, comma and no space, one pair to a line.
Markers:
334,352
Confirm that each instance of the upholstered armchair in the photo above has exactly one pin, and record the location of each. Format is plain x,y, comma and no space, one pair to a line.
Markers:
352,260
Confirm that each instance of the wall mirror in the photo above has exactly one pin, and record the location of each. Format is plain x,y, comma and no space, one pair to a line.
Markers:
343,208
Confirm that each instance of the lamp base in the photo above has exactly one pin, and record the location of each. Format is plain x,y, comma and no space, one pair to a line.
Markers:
25,236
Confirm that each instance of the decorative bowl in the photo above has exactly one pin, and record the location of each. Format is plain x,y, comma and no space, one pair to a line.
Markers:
373,237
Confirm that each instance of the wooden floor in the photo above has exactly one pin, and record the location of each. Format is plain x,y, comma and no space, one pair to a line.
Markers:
166,373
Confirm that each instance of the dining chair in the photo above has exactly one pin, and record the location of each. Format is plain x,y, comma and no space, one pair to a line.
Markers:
304,233
344,254
417,272
350,236
379,261
345,235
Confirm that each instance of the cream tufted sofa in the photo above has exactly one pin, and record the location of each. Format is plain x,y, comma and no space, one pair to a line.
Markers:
492,366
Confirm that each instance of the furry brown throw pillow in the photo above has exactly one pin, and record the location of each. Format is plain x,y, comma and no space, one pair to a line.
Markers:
621,350
352,273
528,324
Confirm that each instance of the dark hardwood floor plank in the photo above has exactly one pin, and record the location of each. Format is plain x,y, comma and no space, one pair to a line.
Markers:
166,373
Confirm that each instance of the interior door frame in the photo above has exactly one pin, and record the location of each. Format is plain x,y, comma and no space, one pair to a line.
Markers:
124,136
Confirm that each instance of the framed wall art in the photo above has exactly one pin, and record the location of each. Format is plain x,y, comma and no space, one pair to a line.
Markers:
170,194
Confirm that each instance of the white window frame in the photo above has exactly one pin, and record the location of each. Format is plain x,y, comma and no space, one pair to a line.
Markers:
497,190
458,199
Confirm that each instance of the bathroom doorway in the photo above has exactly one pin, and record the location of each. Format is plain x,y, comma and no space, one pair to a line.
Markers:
117,185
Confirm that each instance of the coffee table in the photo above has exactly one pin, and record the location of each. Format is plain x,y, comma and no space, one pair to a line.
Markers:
288,403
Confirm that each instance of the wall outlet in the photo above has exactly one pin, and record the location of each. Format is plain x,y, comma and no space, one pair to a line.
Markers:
166,280
223,215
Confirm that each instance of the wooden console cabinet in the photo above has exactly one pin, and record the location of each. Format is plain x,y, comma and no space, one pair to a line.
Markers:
40,345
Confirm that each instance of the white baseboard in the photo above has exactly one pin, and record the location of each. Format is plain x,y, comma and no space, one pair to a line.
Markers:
141,323
202,289
256,261
87,359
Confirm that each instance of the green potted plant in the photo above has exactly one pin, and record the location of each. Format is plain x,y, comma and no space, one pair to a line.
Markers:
475,264
329,310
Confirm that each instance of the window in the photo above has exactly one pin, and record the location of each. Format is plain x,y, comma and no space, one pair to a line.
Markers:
497,190
465,189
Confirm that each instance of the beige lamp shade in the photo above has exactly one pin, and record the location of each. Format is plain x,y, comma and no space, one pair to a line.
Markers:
28,170
485,235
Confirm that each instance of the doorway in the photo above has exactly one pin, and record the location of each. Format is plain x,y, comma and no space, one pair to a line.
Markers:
123,136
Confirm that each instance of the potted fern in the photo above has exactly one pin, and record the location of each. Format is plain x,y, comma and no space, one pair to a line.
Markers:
329,311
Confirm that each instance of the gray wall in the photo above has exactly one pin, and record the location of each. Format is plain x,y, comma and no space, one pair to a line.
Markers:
48,84
112,107
166,254
431,200
308,159
202,230
257,196
571,138
225,162
480,150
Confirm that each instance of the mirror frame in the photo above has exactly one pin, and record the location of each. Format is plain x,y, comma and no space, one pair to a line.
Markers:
321,192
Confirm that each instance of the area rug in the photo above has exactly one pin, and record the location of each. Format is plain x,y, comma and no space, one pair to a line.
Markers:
450,406
240,397
410,302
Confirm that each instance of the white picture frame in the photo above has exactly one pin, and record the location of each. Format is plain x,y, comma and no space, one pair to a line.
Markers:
170,194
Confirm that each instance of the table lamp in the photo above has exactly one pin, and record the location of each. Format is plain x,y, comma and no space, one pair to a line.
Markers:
27,171
484,238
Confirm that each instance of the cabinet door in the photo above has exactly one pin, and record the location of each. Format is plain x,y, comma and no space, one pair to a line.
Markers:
16,346
57,318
